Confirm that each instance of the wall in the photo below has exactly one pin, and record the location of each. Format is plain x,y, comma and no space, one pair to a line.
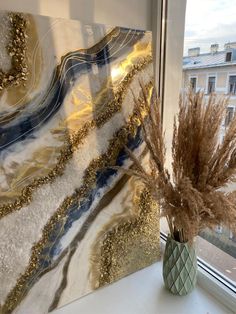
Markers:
110,12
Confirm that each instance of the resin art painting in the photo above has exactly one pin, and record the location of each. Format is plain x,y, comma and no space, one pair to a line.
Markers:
69,222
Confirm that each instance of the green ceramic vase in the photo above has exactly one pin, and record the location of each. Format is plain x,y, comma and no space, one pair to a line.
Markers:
179,267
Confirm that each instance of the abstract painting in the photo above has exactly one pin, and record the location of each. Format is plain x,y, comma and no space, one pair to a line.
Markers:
70,222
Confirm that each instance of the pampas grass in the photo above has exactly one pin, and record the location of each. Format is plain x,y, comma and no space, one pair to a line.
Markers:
192,195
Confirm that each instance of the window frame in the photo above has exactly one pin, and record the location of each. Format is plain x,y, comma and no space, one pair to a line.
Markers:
193,77
228,84
228,53
208,78
174,33
233,111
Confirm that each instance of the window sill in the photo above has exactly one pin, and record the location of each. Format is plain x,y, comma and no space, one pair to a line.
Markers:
143,293
224,295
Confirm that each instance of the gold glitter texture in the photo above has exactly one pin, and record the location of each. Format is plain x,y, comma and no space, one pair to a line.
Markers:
131,244
17,51
106,159
72,141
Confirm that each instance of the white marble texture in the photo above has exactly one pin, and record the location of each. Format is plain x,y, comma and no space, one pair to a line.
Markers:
41,295
65,37
55,39
79,280
43,290
34,118
30,220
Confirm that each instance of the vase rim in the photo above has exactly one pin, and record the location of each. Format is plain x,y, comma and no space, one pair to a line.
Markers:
170,238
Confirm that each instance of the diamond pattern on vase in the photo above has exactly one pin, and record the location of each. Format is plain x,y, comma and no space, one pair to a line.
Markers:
179,267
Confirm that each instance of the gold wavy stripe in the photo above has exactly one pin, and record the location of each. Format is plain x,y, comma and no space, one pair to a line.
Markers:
73,141
89,179
16,90
103,203
128,242
17,96
18,48
85,107
94,49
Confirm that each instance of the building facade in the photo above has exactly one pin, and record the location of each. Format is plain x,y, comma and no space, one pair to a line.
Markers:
212,72
215,72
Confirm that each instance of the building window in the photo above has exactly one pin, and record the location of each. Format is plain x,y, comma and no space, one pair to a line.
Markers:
229,115
193,84
228,57
232,84
211,84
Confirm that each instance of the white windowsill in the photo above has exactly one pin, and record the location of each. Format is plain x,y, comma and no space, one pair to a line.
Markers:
213,286
143,293
224,295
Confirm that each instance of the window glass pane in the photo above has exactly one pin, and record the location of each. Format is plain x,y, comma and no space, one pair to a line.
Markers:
211,84
229,116
193,83
228,56
206,67
232,84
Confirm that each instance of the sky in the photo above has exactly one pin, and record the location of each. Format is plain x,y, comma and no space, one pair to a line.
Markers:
209,22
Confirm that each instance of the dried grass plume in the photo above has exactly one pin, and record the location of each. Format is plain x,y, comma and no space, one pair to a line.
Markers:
192,195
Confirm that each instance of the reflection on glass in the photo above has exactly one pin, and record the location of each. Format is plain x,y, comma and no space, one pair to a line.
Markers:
209,65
